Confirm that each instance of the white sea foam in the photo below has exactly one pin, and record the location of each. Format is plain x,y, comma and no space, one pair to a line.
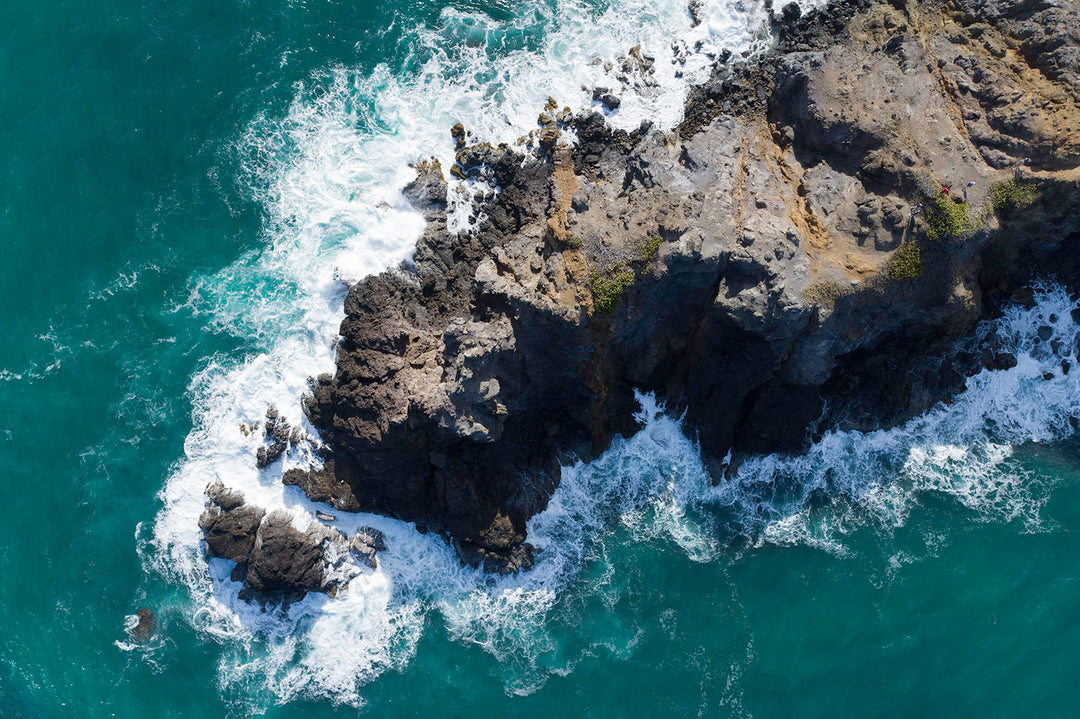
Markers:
330,175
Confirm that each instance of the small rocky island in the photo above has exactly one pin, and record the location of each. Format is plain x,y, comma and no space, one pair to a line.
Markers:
796,255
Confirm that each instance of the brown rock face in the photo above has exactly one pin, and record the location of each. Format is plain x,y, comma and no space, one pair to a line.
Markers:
741,267
144,627
228,524
275,561
286,560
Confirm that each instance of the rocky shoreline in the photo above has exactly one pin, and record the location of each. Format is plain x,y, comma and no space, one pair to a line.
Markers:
798,254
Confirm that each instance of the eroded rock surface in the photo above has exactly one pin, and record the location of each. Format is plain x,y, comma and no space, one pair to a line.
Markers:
742,267
275,560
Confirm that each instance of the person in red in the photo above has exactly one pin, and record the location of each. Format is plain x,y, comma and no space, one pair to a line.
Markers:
944,190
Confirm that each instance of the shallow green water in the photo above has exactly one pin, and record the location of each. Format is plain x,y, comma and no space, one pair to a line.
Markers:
126,193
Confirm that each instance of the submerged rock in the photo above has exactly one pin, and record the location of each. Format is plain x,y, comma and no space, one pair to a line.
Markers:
144,627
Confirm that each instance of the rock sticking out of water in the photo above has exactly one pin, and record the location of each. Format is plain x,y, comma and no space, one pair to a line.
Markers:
144,627
366,543
274,560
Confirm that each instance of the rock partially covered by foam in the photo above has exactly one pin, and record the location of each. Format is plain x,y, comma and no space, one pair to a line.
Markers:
366,543
285,560
281,436
324,485
274,559
229,525
501,549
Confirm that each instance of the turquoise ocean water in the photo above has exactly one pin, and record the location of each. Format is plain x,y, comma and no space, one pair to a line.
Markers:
186,187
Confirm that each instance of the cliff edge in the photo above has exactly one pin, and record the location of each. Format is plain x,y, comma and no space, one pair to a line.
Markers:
796,255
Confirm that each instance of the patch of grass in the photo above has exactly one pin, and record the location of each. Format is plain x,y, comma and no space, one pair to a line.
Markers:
906,263
648,247
572,241
1012,193
948,218
607,288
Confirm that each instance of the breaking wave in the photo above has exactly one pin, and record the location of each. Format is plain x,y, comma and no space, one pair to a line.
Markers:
330,175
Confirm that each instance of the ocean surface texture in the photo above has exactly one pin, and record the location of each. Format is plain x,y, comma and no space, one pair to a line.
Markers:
186,189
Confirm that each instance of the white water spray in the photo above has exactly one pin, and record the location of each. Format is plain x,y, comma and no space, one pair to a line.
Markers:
330,175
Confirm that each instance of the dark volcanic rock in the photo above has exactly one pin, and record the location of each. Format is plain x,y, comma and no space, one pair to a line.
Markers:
366,543
324,485
144,626
228,524
279,434
740,267
287,561
274,560
999,360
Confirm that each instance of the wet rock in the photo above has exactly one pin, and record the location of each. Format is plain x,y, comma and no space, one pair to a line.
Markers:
509,560
285,561
458,133
428,191
999,360
549,136
366,543
278,431
373,538
267,455
327,485
145,626
274,560
229,526
604,96
1023,296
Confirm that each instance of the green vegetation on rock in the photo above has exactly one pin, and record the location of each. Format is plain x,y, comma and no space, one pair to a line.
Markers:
906,263
648,247
948,218
607,288
1013,193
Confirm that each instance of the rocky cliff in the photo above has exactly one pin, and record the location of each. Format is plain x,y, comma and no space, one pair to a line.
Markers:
795,255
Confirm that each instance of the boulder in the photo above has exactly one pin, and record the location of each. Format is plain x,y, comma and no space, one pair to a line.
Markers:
229,525
366,543
286,561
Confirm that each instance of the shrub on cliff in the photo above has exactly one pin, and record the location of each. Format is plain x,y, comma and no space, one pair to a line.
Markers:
607,288
1012,193
648,247
906,263
948,218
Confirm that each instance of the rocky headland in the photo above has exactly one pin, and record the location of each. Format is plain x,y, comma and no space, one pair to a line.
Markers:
800,253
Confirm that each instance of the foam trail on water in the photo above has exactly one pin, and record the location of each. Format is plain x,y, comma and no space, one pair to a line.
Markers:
330,175
654,487
962,450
